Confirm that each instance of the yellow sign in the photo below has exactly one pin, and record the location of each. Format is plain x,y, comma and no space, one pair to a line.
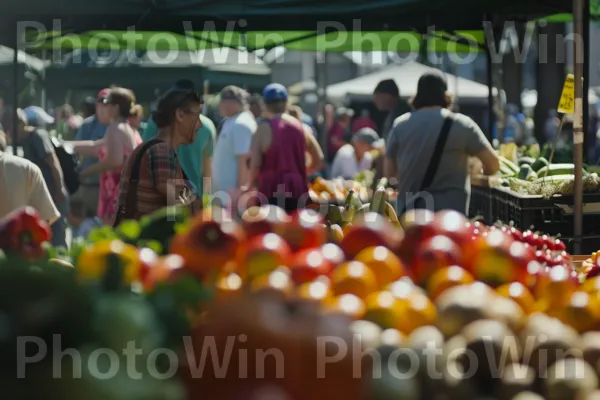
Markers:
566,105
509,151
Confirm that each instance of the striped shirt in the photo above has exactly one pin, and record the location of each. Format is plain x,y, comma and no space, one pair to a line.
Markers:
161,181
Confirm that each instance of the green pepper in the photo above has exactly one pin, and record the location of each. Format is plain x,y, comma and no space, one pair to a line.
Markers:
24,232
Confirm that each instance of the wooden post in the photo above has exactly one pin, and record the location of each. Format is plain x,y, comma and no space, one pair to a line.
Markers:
578,133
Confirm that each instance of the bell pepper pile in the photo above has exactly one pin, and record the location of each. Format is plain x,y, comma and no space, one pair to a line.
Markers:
22,232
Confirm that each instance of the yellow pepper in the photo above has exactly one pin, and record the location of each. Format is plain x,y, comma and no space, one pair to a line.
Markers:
94,260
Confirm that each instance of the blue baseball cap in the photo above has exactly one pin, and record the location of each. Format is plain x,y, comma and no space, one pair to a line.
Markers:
274,92
37,116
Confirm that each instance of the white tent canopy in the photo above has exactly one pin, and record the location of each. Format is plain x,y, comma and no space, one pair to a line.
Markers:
529,98
7,57
406,77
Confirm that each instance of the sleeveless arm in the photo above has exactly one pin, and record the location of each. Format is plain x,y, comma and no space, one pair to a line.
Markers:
317,159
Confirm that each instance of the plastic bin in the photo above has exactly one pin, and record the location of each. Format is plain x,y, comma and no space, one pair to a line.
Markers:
552,216
481,204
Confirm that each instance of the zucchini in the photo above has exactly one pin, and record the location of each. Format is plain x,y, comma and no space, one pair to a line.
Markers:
526,160
506,171
539,164
506,162
532,176
558,169
554,179
524,172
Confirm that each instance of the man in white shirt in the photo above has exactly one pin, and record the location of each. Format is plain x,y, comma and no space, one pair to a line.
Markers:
356,157
22,184
230,158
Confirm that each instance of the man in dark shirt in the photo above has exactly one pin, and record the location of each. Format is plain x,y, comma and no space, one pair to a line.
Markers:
387,98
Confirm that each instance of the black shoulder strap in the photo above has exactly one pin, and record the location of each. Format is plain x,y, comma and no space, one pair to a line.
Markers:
437,153
127,211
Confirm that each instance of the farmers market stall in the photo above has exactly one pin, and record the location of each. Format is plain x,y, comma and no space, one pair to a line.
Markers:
532,193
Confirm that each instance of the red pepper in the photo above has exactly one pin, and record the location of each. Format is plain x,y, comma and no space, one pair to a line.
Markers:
23,231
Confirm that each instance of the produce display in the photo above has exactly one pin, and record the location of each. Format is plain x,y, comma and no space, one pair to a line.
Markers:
590,266
454,309
538,177
324,191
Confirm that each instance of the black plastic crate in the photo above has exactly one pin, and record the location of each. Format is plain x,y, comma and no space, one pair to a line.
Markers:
481,204
542,214
589,244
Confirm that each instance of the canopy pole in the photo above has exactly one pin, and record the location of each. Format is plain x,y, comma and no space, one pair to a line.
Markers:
586,78
15,87
490,82
43,95
578,133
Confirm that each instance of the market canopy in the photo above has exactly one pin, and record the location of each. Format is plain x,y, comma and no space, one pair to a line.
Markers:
219,67
406,77
406,42
281,15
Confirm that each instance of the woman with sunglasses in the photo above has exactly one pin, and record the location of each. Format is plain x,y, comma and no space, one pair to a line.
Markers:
152,176
112,150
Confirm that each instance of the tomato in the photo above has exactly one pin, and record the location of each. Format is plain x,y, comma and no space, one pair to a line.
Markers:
555,288
520,294
369,230
419,231
559,245
346,304
416,310
593,272
515,234
453,225
383,309
386,266
498,259
318,290
308,265
541,257
558,260
547,242
262,254
333,253
476,229
263,220
434,254
354,278
278,282
536,241
446,278
534,271
212,242
582,311
305,230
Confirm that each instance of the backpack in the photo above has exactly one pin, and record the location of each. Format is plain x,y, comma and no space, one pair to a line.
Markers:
69,164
